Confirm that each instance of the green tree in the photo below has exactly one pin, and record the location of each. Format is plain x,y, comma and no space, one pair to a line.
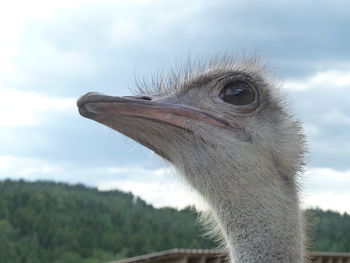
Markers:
44,222
7,243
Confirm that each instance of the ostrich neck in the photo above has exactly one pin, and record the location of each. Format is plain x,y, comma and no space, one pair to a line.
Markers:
261,222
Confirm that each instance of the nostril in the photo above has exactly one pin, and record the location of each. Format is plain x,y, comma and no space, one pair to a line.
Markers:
144,98
141,97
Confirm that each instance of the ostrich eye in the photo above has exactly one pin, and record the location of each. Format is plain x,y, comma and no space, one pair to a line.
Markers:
237,93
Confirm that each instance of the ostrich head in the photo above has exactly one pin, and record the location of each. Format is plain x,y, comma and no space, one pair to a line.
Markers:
225,128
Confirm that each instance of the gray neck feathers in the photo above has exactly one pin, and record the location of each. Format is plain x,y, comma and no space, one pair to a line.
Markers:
260,226
256,210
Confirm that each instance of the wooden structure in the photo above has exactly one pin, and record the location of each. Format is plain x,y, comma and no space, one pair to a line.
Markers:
218,256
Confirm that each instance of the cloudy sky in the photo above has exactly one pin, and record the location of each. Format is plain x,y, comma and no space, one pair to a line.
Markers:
51,52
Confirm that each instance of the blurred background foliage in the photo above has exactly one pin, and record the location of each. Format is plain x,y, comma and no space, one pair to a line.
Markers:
59,223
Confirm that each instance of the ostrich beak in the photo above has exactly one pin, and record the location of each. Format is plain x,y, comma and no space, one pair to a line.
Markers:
101,107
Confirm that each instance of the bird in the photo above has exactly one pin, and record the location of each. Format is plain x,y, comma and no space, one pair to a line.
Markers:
223,123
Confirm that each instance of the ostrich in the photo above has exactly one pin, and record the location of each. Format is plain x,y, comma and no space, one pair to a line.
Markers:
224,126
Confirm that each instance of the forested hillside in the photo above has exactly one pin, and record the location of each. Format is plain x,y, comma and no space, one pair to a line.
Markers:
328,231
59,223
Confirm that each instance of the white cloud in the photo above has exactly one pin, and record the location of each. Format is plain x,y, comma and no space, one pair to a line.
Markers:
22,108
311,129
327,188
158,193
156,186
335,116
328,201
14,16
46,58
321,103
125,31
322,187
48,42
329,178
140,171
325,79
25,168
